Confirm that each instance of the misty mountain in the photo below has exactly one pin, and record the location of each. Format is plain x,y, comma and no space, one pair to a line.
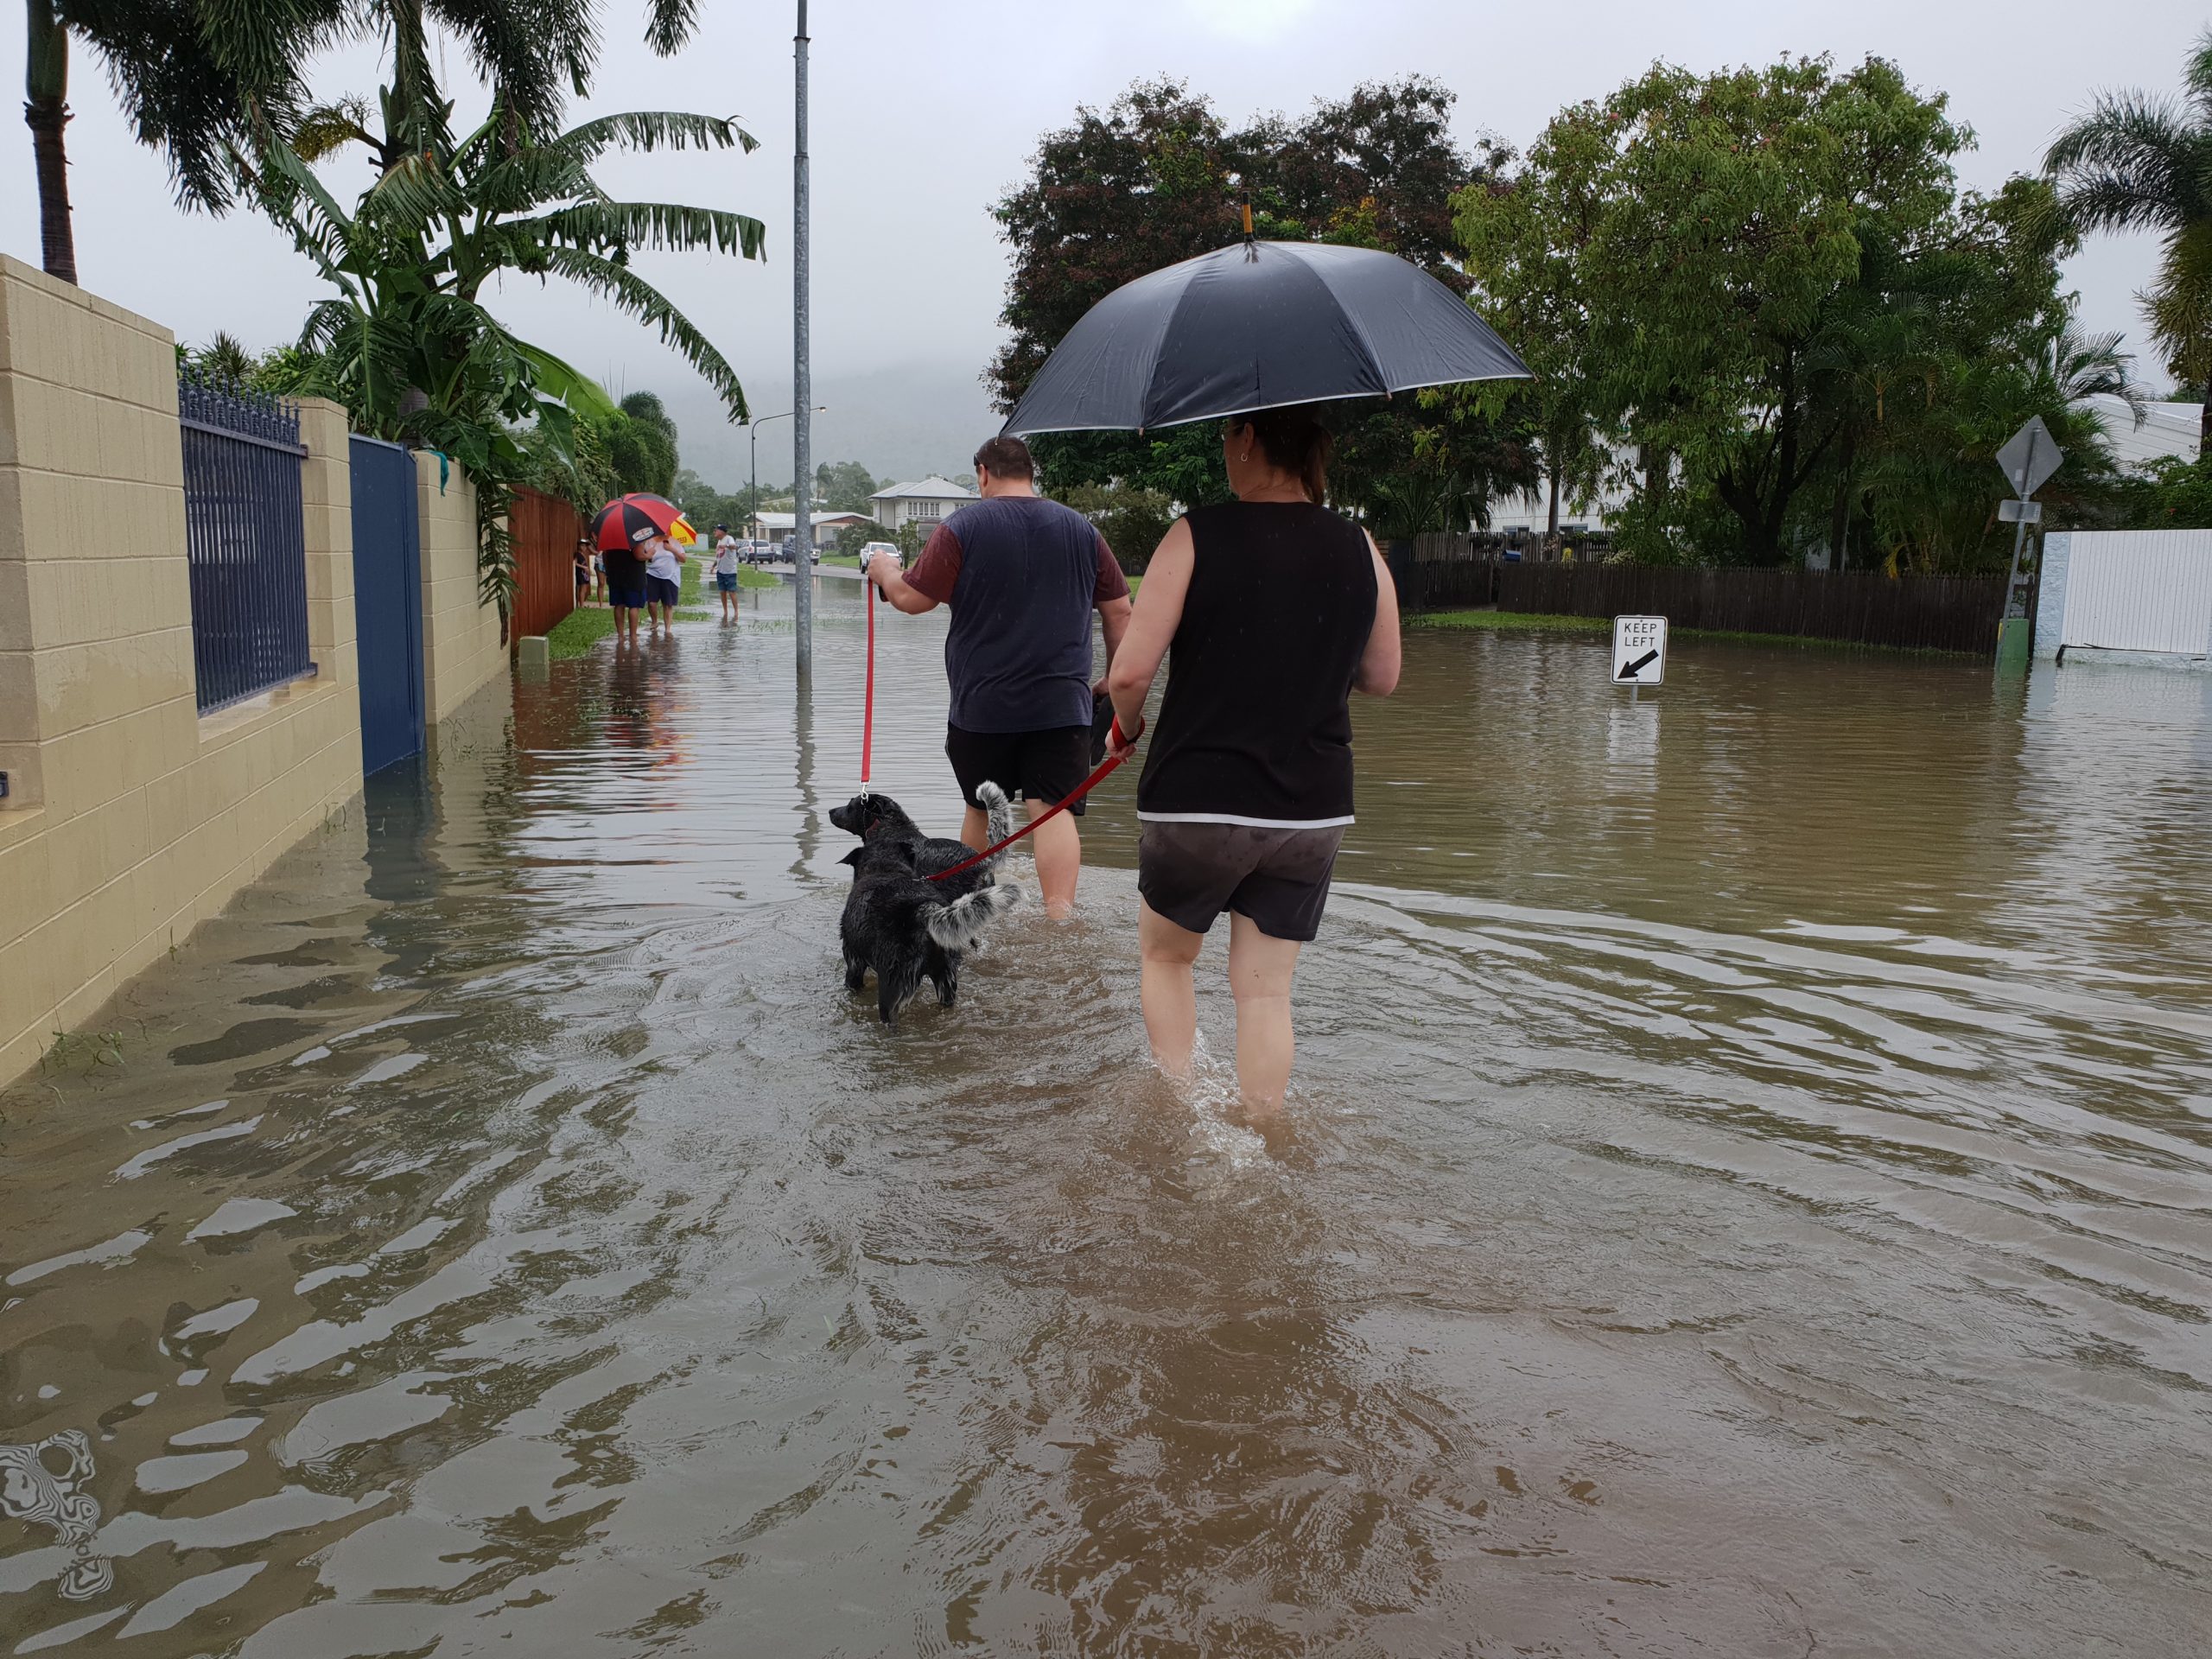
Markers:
901,423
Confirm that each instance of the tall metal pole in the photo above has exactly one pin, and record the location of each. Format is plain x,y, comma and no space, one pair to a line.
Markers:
802,380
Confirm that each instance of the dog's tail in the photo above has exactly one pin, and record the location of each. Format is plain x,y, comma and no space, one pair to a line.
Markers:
998,818
962,925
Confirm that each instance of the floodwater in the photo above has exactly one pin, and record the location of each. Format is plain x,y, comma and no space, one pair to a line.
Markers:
1745,1191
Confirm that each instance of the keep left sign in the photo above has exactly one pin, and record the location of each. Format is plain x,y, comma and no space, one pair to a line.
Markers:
1639,650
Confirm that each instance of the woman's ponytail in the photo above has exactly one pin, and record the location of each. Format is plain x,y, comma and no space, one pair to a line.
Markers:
1294,442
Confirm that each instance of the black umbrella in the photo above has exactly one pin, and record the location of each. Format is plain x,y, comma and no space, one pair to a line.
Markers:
1255,325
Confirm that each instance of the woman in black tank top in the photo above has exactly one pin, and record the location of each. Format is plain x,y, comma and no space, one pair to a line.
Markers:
1276,611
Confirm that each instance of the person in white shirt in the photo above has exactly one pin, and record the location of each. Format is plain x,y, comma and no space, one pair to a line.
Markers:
726,570
661,583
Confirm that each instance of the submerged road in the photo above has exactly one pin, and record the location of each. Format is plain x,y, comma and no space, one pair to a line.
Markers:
1747,1189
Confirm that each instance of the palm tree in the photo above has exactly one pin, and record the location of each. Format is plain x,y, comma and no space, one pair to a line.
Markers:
2078,366
182,95
2139,162
406,342
207,82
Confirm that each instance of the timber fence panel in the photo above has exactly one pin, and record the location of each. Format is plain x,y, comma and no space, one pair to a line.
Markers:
1862,608
545,530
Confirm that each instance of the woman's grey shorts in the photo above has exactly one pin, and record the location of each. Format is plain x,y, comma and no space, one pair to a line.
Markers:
1190,873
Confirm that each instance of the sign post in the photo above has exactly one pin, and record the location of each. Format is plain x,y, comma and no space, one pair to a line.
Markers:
1639,652
2030,456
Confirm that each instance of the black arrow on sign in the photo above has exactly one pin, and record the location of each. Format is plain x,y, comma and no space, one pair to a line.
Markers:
1630,671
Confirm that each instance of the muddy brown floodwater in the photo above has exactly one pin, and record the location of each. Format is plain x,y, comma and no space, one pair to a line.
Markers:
1745,1191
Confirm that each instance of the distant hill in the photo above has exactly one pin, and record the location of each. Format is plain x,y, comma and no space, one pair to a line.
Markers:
900,423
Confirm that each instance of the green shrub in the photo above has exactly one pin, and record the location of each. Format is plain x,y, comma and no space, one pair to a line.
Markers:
1132,521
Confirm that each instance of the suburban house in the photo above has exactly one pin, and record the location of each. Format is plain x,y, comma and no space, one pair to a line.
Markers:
927,504
824,526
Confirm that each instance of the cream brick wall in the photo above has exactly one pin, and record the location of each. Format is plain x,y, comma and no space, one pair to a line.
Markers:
131,818
462,652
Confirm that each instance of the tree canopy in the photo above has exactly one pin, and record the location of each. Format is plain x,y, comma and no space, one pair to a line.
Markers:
1158,176
1759,298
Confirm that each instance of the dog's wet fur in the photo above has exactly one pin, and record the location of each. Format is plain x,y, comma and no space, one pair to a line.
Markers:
899,925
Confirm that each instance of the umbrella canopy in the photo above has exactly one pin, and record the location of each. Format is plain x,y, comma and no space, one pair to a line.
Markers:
621,524
1256,325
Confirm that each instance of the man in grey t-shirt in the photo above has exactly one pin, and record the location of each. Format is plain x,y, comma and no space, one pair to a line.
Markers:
1023,576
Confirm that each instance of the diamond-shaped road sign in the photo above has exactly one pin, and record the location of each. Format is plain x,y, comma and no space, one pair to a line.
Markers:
2030,456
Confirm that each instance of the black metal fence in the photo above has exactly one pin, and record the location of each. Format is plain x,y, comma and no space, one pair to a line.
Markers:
246,536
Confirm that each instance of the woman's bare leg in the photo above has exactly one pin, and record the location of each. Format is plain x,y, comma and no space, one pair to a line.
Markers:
1171,1002
1260,971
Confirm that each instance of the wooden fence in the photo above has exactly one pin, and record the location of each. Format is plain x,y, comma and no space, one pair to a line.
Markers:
545,529
1865,607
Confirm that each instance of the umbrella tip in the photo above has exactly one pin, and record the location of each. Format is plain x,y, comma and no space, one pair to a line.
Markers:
1247,215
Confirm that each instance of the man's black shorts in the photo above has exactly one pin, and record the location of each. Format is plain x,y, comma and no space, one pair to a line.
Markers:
1044,766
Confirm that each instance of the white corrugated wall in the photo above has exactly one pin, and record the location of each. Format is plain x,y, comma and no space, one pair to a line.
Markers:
2147,590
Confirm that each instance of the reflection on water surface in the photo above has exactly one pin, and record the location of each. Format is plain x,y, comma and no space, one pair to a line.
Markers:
1746,1190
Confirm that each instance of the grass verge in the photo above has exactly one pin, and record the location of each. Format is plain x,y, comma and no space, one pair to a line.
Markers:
1525,622
1506,622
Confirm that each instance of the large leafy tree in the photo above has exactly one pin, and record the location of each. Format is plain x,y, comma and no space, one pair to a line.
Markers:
1739,210
1526,230
2137,161
1158,176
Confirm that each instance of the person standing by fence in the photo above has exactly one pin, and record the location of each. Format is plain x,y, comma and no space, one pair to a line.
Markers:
584,562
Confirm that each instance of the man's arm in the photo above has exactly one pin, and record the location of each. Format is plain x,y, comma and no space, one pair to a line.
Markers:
1110,595
929,584
883,571
1114,623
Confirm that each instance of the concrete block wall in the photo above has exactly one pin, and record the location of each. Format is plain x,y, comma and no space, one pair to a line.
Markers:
462,652
129,816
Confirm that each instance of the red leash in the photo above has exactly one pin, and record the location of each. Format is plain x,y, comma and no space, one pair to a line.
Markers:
1097,778
867,708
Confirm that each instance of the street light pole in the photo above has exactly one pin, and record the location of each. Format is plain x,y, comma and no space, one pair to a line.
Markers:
755,426
801,381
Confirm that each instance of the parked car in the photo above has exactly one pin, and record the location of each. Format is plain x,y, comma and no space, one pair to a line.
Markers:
759,552
873,548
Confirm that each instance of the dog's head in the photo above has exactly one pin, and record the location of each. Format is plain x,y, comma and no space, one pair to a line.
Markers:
872,816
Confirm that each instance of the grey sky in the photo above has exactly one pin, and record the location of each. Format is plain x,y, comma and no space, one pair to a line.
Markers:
924,113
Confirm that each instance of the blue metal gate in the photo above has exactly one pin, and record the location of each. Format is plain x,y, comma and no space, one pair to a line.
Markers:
387,602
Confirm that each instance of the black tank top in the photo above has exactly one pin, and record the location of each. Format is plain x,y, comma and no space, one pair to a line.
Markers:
1256,727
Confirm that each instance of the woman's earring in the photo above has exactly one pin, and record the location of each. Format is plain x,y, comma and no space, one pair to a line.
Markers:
1247,455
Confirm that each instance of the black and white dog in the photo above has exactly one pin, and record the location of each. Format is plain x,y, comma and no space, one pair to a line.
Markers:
878,819
900,924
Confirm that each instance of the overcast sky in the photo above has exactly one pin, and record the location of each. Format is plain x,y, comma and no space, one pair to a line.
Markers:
924,113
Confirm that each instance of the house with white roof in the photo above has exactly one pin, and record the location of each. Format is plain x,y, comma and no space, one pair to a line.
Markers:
927,502
824,526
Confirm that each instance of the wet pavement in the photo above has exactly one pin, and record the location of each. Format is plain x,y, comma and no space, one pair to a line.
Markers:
1746,1190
